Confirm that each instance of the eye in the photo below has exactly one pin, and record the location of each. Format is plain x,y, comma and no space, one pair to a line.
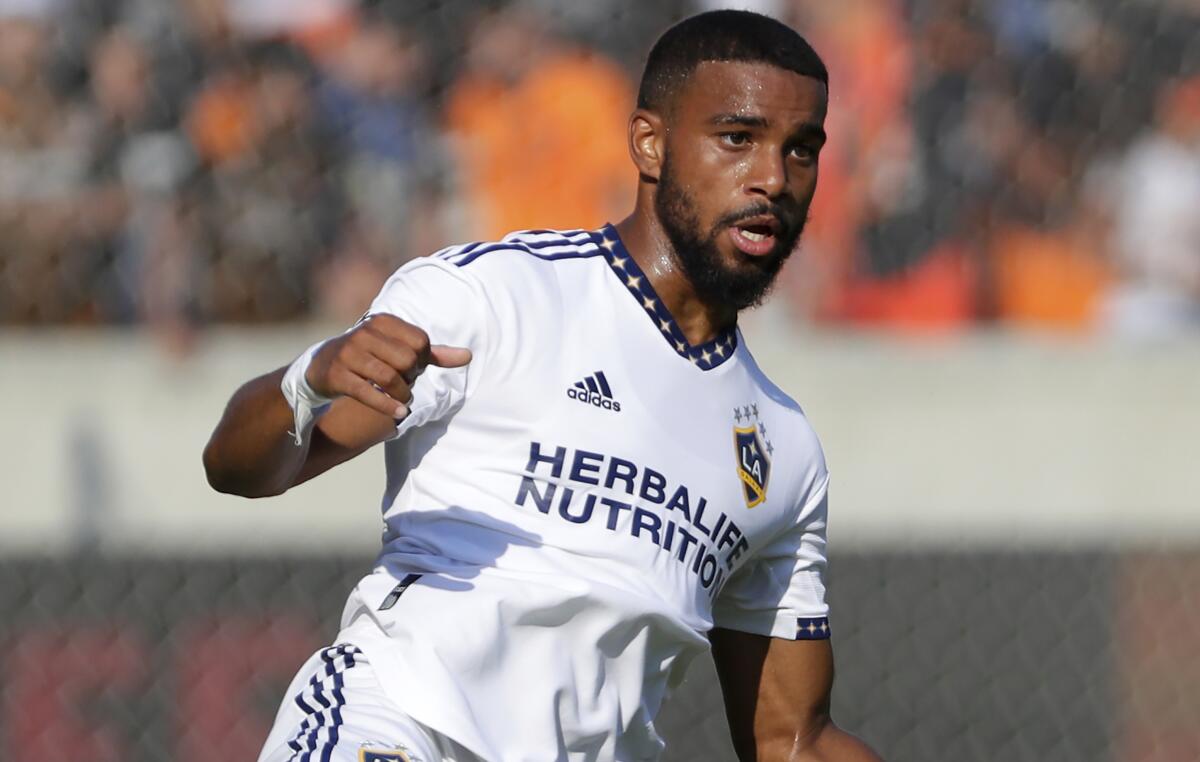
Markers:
735,139
805,153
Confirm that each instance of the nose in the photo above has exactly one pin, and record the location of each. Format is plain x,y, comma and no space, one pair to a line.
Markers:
768,174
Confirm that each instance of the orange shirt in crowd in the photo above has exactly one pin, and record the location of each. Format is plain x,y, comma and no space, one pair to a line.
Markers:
548,151
868,50
1047,279
935,295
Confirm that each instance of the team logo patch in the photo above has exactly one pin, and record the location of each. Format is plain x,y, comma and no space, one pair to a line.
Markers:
380,755
754,453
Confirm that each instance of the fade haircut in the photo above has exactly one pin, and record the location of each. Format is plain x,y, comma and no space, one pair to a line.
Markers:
723,36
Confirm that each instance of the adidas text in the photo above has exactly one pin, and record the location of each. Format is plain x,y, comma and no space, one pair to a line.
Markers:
594,398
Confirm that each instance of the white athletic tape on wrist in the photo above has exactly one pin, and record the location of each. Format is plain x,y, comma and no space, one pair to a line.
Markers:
305,403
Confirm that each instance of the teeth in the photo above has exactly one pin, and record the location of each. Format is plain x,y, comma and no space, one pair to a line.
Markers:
753,236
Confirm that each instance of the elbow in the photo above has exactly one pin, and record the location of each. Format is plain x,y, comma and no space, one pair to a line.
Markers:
226,479
220,477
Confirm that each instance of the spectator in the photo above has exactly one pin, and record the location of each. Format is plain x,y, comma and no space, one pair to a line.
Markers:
391,166
267,209
135,164
866,168
539,130
42,163
1155,204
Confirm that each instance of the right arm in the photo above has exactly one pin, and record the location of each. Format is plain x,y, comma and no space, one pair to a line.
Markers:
369,371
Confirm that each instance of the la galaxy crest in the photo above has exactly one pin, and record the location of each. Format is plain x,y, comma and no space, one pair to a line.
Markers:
754,453
395,754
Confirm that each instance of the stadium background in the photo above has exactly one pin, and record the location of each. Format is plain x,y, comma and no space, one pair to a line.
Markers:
993,322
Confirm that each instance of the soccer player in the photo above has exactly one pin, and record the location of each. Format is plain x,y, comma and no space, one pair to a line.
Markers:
589,480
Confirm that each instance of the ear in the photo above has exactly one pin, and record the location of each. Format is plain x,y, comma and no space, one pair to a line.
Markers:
647,138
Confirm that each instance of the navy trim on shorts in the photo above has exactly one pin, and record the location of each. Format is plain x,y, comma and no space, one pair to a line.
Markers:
304,743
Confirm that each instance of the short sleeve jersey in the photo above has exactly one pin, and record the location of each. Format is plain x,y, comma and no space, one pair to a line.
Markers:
567,516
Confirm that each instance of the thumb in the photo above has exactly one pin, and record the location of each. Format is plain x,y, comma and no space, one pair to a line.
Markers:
449,357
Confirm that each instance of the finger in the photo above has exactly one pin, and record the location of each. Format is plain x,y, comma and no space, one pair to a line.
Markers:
395,353
387,378
367,393
449,357
393,328
367,366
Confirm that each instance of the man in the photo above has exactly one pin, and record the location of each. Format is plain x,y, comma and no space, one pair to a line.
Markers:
589,479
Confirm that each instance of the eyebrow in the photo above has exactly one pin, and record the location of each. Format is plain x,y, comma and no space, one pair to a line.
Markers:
805,129
738,120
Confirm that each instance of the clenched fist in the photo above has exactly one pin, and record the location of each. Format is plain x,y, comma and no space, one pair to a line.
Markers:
377,363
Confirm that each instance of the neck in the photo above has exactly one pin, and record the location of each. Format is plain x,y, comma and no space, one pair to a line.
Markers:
651,248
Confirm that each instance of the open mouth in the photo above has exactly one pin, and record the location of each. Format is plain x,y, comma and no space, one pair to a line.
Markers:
755,236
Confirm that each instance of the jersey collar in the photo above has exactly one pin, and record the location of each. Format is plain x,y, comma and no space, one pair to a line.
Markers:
704,356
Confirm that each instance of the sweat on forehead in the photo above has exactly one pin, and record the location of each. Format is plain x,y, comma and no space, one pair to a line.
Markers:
723,36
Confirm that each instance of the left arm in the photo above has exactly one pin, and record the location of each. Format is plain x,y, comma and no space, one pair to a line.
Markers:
777,696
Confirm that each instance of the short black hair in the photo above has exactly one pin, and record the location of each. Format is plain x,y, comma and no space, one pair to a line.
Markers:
723,36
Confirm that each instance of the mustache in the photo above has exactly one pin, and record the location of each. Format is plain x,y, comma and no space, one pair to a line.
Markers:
787,219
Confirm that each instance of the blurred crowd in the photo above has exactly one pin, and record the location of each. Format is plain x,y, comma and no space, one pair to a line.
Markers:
1027,163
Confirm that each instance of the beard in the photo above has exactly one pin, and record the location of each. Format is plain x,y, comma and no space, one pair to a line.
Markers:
714,281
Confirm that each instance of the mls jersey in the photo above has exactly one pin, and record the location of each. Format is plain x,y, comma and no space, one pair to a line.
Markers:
567,516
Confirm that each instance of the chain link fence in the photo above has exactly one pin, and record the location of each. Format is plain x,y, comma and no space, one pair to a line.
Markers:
946,656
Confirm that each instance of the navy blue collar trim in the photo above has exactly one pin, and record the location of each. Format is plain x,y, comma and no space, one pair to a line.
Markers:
704,356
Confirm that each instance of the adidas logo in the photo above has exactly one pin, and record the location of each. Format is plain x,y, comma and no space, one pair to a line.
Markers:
594,390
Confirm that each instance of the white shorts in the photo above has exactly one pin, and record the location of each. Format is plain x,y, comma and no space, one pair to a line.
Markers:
335,711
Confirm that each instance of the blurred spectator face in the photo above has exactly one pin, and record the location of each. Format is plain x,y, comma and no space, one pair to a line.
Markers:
952,43
1103,53
118,75
23,44
504,45
209,19
281,100
1179,111
378,61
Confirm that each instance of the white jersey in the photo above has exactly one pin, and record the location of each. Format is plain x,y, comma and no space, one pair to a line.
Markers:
571,513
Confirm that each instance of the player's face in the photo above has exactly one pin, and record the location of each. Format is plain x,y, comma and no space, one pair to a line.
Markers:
738,173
